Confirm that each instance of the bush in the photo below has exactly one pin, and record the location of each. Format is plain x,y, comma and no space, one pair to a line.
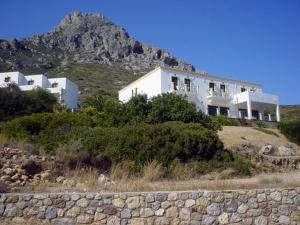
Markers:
291,130
159,109
15,102
48,130
144,143
225,121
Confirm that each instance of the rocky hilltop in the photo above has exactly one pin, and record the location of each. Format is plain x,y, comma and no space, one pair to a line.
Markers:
84,38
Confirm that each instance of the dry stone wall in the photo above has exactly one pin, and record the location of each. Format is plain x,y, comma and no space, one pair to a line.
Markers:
253,207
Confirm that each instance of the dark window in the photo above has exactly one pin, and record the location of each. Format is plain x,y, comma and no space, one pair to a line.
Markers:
135,91
7,79
243,89
223,87
255,114
212,86
224,111
132,92
30,82
212,110
187,82
175,82
54,85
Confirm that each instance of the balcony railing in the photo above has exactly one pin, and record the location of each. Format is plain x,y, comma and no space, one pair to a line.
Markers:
219,93
183,89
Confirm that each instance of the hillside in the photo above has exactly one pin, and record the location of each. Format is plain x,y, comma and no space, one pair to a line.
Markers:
290,112
89,49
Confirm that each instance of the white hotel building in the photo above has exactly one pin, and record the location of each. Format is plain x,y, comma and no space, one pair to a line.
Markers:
212,94
65,90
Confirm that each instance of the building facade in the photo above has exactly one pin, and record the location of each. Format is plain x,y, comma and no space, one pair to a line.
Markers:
212,94
65,90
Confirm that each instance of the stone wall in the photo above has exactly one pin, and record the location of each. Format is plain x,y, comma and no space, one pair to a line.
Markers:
259,207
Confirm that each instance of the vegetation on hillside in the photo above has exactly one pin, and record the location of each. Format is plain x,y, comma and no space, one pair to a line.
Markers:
95,78
290,112
166,129
16,103
291,129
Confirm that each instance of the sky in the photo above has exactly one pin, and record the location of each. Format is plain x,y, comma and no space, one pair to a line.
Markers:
253,40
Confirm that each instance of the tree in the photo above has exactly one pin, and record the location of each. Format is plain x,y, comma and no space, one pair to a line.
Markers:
138,108
15,102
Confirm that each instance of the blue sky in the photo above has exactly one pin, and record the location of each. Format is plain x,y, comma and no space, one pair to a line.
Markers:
255,40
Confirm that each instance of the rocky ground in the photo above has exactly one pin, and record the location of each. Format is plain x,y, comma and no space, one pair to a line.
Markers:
19,168
273,149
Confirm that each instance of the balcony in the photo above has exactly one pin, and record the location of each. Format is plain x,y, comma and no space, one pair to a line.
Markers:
217,96
183,89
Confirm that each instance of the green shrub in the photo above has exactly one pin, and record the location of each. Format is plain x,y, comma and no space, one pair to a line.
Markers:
261,124
144,143
159,109
266,131
48,130
225,121
15,102
291,130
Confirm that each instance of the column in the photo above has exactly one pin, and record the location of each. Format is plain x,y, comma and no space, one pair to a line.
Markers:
277,113
260,116
270,117
218,111
249,109
228,113
240,114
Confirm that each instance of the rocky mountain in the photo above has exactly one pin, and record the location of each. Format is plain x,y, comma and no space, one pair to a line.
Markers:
84,38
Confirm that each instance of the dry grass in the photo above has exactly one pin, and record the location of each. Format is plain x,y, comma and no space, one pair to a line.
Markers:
88,182
229,136
153,171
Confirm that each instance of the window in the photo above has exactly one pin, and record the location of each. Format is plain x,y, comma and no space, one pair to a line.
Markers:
187,83
134,92
54,85
30,82
212,110
224,111
243,89
175,82
211,86
223,87
7,79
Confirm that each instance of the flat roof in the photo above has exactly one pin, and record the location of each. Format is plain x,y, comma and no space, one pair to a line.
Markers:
204,75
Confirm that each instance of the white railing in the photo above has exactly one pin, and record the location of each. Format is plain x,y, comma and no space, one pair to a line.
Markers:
219,93
183,89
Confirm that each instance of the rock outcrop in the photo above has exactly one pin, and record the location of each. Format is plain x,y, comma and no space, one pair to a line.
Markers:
84,38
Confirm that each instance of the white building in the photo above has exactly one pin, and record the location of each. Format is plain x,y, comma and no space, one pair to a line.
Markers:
65,90
212,94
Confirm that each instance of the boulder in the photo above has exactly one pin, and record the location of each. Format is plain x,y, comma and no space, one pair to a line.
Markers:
285,151
32,167
102,179
266,150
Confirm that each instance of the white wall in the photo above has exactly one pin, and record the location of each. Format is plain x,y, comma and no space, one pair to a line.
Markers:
150,84
15,77
66,90
200,83
159,81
